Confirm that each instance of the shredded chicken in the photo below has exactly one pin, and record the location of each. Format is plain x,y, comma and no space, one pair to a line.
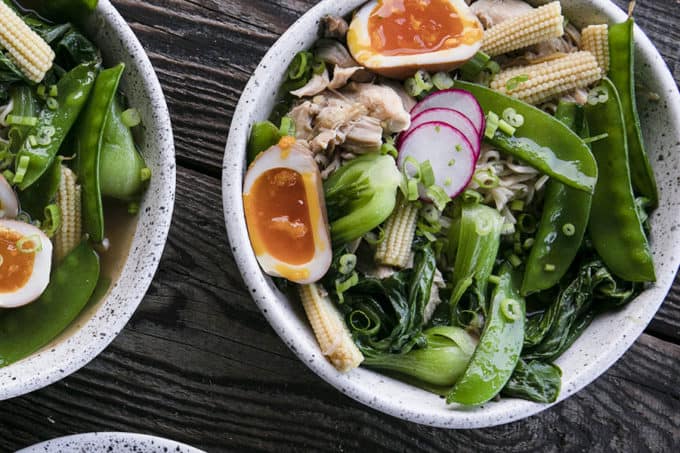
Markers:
341,76
316,85
339,124
382,103
493,12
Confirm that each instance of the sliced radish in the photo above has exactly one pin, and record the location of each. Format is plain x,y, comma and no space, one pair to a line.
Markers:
455,99
448,116
450,154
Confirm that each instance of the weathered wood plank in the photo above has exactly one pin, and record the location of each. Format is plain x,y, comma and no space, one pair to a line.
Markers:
199,364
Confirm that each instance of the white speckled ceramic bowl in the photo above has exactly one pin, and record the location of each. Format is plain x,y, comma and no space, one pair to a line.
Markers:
110,442
595,351
99,323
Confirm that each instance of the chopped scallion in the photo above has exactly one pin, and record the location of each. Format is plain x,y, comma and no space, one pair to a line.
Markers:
517,205
287,127
343,285
426,174
515,260
131,117
491,124
22,168
442,81
505,127
29,244
52,103
512,117
145,174
375,238
515,82
17,120
568,229
347,263
52,220
438,196
511,309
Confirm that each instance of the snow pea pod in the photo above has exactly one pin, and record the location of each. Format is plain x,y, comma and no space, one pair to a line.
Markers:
614,225
26,329
622,75
542,142
120,166
563,222
263,135
53,125
499,347
88,145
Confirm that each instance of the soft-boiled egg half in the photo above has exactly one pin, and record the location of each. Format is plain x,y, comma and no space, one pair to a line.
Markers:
25,263
395,38
286,213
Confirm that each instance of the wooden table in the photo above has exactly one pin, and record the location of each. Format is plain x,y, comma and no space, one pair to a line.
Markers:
198,363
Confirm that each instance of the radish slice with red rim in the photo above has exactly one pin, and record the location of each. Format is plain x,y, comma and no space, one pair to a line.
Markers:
451,155
455,99
451,117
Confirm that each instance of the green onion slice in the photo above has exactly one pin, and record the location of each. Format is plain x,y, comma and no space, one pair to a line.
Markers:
29,244
511,309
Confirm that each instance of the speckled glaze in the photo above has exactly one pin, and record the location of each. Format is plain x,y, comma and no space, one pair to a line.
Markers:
595,351
110,442
99,324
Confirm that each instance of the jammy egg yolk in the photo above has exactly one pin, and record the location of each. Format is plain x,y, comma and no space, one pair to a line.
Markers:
16,267
280,216
407,27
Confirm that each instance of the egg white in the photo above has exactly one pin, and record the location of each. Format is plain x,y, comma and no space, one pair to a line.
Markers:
402,66
300,160
42,265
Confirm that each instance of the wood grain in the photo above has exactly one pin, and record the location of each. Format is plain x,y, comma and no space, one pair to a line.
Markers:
198,363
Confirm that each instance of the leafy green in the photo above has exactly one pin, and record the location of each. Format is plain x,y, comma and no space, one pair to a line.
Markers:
535,381
386,316
550,333
361,195
74,49
441,362
474,242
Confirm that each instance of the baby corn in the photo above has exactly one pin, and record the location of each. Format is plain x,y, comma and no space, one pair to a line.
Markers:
541,82
69,234
543,23
395,249
595,39
32,55
331,332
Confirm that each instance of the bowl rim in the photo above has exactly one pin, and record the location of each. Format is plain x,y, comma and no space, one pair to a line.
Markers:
106,438
95,335
262,290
